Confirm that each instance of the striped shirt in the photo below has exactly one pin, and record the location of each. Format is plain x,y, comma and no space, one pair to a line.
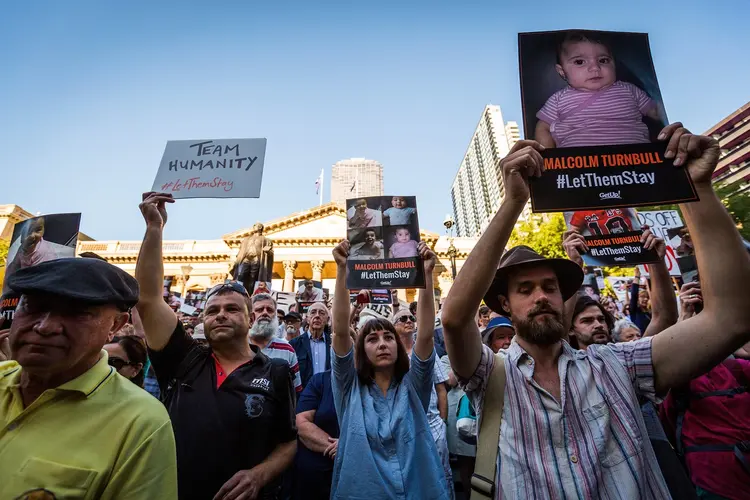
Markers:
593,443
610,116
281,349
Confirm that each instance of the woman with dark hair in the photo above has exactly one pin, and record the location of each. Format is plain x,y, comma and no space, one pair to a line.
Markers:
385,448
128,356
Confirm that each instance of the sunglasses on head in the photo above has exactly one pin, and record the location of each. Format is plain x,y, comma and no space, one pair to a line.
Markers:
118,363
406,318
235,286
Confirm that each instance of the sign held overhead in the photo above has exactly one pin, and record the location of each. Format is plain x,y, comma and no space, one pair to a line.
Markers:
219,168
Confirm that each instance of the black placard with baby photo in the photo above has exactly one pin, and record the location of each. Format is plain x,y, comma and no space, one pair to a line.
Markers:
383,232
593,100
36,240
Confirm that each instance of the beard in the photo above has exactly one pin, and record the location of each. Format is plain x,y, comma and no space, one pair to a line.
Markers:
547,332
264,329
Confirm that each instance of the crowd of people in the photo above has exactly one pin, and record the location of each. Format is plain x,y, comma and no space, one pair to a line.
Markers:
517,386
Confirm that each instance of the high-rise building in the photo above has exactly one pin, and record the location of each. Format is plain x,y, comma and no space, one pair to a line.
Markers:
356,177
733,134
478,187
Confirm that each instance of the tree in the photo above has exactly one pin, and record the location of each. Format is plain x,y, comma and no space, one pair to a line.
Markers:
4,245
738,206
544,234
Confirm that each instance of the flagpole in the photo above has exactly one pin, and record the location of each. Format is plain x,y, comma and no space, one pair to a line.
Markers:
321,187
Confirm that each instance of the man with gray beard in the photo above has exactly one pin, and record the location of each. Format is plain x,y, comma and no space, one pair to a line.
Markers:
263,335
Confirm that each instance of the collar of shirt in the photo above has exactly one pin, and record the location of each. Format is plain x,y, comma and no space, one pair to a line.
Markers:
518,356
221,373
86,383
313,339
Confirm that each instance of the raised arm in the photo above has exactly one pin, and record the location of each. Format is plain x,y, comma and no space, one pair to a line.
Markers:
574,245
663,300
425,343
694,346
340,339
634,291
158,319
462,339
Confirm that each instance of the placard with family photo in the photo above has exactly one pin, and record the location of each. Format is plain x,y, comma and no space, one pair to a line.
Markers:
613,237
383,234
36,240
593,100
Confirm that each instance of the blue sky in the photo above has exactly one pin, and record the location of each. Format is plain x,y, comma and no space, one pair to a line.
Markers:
90,91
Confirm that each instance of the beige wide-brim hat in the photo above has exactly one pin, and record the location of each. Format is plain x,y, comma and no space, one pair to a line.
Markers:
569,274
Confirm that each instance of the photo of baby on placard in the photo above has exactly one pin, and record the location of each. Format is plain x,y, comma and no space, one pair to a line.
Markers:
364,212
366,244
398,211
383,234
589,88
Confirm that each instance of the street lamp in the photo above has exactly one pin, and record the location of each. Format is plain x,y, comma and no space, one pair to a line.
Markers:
452,251
186,270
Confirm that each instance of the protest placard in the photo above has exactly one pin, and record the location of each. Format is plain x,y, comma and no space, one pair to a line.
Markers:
37,240
613,237
284,300
593,100
221,168
381,296
607,177
188,309
660,221
383,233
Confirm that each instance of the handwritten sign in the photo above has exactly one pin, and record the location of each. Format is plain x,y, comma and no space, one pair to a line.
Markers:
660,221
226,168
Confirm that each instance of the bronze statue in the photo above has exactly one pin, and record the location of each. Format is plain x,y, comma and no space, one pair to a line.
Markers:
255,259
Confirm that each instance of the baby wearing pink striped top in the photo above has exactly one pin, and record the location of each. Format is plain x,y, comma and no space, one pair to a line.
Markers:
595,109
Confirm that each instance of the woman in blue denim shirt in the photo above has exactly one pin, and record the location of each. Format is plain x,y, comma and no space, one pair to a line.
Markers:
385,449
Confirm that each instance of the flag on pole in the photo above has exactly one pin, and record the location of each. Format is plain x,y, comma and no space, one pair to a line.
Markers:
319,182
353,186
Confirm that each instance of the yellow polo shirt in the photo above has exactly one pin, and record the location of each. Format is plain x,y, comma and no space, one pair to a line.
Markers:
98,436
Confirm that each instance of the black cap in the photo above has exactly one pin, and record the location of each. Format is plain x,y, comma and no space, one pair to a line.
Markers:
293,316
92,281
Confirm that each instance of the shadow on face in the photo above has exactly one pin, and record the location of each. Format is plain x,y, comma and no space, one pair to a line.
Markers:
226,317
535,304
54,336
317,316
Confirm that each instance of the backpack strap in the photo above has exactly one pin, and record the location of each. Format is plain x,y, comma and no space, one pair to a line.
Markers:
485,470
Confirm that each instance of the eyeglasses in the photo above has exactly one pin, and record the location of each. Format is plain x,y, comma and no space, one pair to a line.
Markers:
118,363
406,318
235,286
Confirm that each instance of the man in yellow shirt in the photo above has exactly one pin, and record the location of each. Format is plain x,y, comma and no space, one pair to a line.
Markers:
70,426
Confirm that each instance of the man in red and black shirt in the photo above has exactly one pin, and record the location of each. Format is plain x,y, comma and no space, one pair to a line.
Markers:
232,407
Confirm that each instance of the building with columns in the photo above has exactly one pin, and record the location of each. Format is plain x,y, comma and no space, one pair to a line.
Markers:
303,243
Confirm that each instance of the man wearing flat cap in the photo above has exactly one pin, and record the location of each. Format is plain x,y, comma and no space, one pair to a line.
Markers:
575,415
70,425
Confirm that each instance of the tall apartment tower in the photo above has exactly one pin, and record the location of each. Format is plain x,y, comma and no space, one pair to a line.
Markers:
478,187
356,177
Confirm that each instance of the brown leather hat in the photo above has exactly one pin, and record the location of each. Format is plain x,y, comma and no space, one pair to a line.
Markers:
569,275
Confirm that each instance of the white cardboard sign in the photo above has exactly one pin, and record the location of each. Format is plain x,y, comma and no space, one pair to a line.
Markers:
659,221
221,168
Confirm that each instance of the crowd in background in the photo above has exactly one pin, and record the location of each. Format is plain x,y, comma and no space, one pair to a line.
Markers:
645,398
